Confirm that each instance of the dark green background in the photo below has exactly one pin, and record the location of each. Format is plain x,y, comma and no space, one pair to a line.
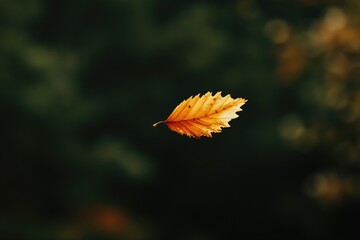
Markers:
82,82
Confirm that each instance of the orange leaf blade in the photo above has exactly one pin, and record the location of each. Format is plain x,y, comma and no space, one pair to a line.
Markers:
201,116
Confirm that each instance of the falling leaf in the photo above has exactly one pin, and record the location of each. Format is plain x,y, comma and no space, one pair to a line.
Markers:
200,116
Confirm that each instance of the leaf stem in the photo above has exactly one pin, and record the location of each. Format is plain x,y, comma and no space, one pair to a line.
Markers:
155,124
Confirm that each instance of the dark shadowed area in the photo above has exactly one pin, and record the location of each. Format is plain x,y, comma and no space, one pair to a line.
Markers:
82,82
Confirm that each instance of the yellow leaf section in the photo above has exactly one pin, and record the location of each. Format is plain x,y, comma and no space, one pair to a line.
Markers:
201,116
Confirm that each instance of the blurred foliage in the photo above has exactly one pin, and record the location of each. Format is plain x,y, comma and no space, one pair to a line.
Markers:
82,82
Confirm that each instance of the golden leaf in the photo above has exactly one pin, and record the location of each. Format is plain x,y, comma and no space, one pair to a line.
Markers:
200,116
